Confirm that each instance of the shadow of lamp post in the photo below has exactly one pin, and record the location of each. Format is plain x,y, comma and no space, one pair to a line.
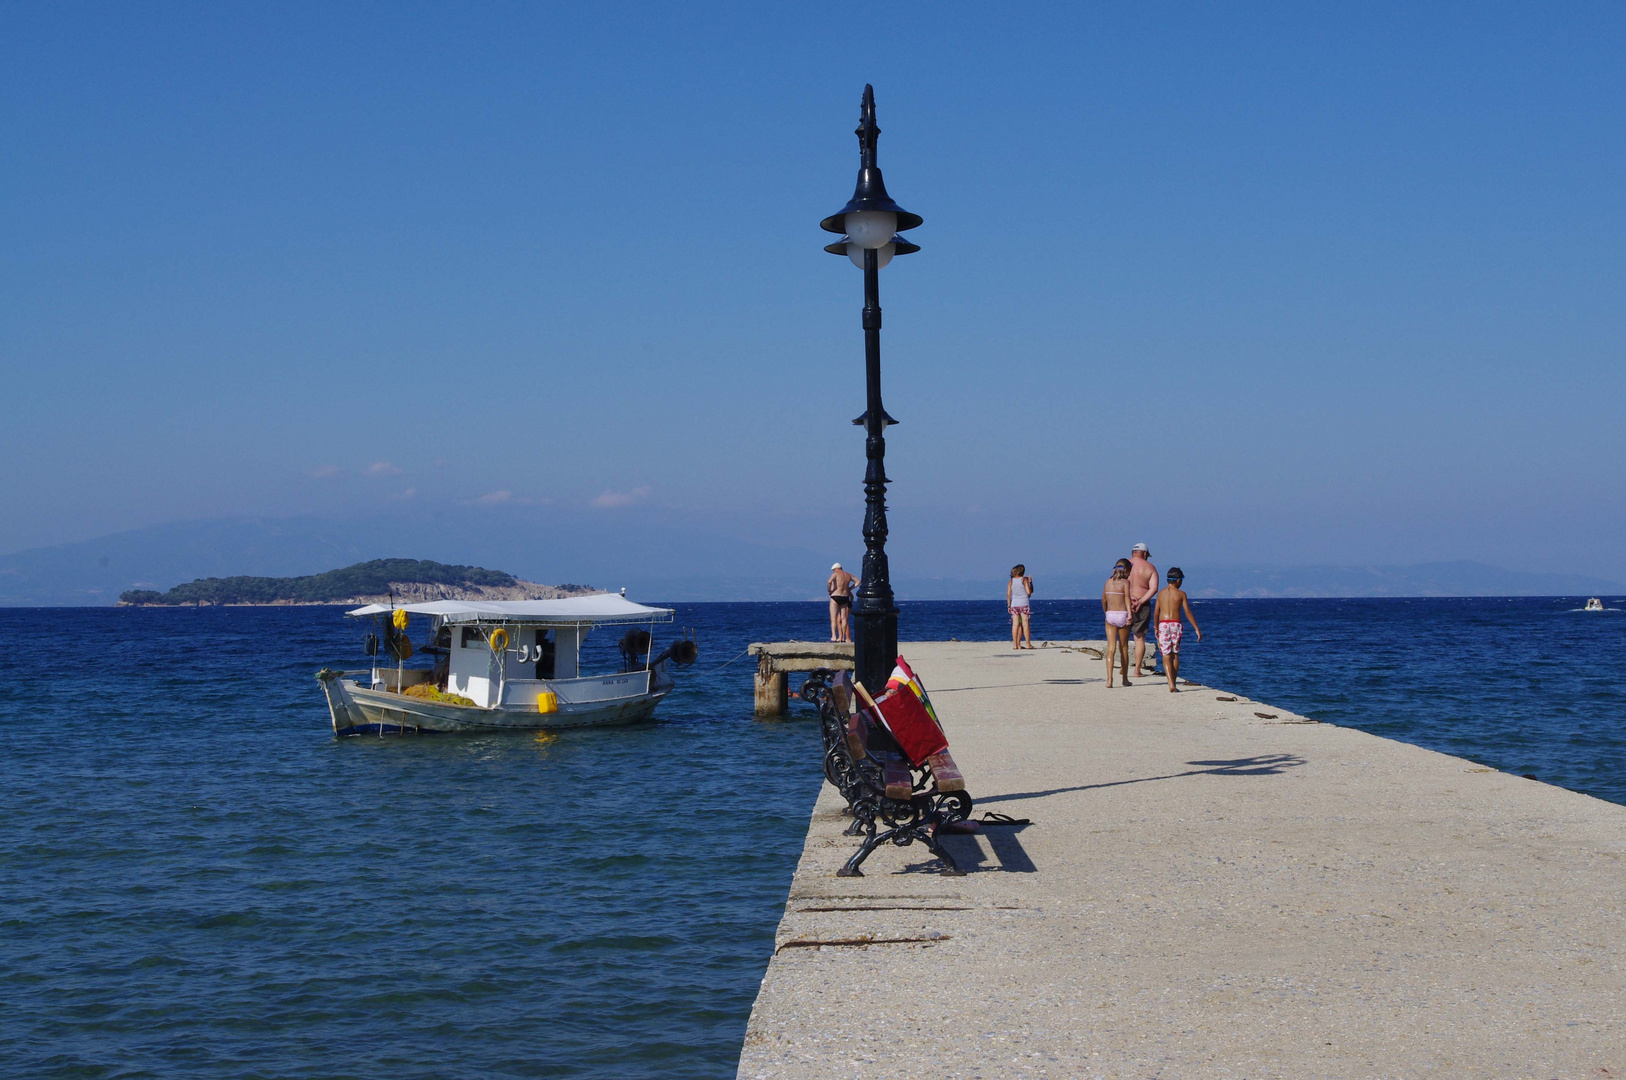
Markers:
871,222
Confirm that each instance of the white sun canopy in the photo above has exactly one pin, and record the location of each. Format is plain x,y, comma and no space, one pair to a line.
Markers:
571,610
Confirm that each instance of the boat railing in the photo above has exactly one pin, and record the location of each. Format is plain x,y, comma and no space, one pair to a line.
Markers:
579,691
393,679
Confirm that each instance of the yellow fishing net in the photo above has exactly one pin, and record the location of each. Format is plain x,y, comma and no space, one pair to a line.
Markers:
431,692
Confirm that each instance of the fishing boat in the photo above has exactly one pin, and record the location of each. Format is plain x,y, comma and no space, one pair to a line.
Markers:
1594,604
502,665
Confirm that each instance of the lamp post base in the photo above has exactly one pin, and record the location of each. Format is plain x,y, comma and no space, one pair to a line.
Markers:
875,644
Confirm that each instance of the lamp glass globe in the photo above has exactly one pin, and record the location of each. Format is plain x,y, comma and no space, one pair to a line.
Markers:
871,228
883,255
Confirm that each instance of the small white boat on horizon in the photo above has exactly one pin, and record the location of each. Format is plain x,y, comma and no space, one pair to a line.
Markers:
503,665
1594,604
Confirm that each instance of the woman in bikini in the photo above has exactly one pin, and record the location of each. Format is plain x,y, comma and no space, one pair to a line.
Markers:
1115,602
1017,592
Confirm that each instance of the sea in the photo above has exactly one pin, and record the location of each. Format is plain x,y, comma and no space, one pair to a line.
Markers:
197,879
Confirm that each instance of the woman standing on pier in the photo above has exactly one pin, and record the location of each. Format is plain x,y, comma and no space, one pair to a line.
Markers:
1115,602
1017,592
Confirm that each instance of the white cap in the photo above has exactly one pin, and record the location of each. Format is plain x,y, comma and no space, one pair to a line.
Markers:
835,566
1140,547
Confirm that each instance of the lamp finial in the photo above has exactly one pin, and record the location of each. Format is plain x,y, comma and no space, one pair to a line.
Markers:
867,130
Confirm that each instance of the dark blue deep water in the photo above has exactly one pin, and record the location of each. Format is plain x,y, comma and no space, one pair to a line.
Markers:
198,880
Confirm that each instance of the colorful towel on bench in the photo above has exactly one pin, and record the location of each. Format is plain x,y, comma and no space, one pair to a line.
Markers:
906,712
904,675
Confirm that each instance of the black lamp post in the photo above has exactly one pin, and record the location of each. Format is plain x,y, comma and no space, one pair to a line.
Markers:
871,222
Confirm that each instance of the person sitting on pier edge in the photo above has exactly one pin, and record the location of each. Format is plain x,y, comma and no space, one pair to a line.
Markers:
840,588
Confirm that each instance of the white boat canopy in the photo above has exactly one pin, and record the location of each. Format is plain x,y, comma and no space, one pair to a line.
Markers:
600,608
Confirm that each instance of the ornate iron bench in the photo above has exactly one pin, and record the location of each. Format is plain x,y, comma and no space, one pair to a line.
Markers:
881,787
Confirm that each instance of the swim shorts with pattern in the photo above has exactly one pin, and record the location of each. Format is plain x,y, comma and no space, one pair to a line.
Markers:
1169,632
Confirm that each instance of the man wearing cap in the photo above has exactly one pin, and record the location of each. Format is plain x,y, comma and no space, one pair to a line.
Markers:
840,588
1142,589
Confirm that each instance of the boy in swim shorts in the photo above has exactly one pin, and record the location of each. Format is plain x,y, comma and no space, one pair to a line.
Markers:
1171,605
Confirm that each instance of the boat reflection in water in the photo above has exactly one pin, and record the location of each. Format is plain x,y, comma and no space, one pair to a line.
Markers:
503,665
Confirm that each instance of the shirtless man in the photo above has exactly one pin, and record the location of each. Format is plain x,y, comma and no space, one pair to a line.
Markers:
840,588
1142,588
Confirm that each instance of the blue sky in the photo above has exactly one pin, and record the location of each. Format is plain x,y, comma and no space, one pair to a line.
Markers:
1310,284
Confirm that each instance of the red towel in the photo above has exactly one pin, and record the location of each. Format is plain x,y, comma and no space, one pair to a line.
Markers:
911,725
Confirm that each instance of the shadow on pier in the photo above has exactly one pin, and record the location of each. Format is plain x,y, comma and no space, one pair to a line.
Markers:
1262,765
1013,685
1003,844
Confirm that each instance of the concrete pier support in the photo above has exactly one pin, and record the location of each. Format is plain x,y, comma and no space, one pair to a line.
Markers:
775,658
772,693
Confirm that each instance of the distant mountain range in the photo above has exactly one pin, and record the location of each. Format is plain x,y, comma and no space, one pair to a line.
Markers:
378,581
95,572
537,544
1460,578
534,543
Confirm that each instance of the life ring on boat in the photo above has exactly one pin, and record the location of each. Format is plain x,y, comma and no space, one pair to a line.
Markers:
499,639
399,619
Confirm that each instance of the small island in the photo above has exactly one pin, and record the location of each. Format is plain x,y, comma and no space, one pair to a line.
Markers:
409,581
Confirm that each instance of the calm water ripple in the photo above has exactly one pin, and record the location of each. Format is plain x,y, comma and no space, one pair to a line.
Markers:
198,880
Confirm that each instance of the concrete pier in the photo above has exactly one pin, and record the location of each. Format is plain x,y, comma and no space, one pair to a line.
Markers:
1207,888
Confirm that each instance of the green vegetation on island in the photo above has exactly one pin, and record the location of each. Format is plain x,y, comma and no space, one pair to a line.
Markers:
375,578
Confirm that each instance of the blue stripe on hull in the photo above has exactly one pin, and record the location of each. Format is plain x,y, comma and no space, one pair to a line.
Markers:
386,729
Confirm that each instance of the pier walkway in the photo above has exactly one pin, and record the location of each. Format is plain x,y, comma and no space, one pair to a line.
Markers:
1208,888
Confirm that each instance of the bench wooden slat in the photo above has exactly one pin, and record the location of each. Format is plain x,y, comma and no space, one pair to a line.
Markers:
900,782
945,772
857,743
841,693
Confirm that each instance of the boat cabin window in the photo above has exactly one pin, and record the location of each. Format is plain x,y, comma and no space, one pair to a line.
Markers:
472,638
546,651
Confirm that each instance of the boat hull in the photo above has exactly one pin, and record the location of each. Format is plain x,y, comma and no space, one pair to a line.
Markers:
357,710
